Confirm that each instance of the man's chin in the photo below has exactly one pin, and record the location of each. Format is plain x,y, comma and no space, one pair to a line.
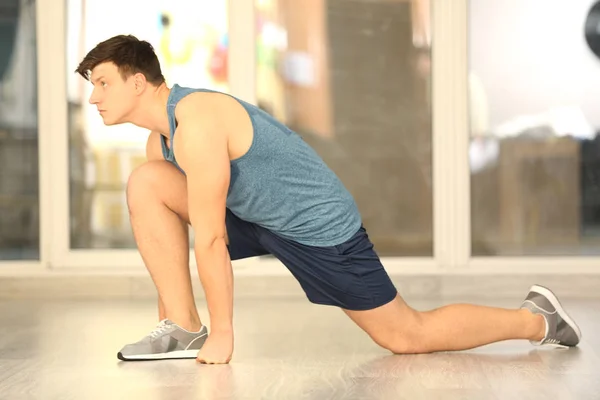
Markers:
109,122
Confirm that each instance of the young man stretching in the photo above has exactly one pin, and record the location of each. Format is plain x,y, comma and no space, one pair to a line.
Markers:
250,186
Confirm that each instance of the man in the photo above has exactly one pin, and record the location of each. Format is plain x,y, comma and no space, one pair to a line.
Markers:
250,186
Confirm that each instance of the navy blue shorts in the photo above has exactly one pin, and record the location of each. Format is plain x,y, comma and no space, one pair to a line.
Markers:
349,275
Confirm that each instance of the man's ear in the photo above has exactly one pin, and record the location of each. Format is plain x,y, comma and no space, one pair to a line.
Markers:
139,81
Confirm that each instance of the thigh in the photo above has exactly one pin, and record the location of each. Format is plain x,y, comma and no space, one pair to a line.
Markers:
243,238
158,181
349,275
163,182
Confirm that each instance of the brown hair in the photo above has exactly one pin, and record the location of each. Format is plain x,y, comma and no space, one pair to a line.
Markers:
129,54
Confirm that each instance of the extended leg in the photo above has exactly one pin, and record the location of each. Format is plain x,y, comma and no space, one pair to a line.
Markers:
401,329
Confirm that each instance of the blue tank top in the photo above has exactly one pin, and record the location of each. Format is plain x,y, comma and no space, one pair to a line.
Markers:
281,183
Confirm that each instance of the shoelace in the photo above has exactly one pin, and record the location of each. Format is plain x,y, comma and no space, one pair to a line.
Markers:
160,328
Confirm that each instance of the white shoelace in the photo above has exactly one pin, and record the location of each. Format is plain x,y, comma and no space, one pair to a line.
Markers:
160,328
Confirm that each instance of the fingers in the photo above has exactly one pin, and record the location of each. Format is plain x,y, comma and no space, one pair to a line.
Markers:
203,361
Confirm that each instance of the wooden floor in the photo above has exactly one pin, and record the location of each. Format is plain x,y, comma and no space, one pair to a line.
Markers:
287,350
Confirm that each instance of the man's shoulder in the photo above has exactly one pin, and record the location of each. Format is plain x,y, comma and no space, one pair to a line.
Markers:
206,105
197,97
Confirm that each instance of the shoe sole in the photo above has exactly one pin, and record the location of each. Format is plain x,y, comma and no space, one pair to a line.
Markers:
559,308
172,355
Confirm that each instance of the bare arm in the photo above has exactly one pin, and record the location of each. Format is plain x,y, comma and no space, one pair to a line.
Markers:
153,147
202,151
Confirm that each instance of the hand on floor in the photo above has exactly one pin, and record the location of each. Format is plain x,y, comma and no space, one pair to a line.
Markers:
217,349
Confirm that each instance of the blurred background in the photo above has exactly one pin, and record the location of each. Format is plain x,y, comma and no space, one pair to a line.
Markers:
356,78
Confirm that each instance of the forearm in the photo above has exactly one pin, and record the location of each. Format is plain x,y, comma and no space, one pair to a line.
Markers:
216,276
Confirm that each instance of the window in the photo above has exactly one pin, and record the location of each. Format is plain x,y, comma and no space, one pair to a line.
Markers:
534,151
19,189
191,41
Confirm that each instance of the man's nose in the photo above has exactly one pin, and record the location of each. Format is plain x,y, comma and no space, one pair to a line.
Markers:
93,98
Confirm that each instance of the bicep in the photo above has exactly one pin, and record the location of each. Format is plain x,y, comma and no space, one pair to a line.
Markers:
205,158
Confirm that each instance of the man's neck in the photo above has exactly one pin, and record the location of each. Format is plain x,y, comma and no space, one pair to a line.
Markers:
152,111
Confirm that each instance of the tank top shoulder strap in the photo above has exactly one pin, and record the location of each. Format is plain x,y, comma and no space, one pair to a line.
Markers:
175,95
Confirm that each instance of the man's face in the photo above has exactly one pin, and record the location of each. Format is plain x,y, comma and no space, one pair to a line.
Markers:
114,97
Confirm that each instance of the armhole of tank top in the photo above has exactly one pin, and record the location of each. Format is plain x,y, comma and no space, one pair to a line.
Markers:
168,151
164,147
254,132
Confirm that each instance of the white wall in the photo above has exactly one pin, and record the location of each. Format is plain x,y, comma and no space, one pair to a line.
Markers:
531,55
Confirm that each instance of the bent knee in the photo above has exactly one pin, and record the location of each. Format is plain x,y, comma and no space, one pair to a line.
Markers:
152,180
401,345
404,340
146,177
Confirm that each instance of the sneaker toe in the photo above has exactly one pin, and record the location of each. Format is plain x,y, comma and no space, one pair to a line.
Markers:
134,349
570,338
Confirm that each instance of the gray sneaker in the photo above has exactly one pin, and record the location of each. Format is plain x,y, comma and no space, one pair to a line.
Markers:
167,341
561,330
